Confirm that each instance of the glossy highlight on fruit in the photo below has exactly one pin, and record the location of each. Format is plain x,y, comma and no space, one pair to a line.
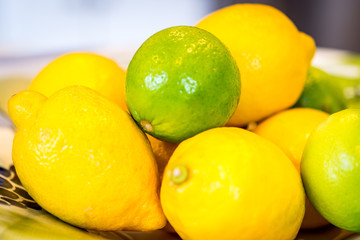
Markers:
182,81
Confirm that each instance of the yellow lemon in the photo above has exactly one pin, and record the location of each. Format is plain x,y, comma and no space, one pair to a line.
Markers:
229,183
91,70
272,55
290,130
84,159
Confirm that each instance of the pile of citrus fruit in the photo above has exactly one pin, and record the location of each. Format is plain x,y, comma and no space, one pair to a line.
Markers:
199,133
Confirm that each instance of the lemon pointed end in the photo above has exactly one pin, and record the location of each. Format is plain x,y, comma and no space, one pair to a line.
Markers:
24,105
309,45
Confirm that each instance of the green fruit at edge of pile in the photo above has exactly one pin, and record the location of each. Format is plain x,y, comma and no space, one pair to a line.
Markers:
320,92
330,169
351,90
328,92
182,81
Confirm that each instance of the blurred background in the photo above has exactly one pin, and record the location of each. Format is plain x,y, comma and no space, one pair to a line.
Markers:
39,27
35,32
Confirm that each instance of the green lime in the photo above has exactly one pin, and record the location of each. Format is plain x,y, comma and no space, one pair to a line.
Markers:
328,92
330,169
351,90
321,92
180,82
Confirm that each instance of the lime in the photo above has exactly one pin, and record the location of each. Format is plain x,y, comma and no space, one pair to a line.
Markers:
182,81
330,169
351,90
328,92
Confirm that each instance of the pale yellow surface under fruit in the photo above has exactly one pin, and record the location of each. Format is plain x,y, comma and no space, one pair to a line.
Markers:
83,159
272,56
239,186
91,70
290,130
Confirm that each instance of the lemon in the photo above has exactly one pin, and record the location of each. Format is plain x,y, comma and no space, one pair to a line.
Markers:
290,129
181,81
73,154
8,87
272,55
91,70
229,183
330,169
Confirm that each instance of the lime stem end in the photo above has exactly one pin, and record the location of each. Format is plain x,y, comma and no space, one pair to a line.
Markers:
146,126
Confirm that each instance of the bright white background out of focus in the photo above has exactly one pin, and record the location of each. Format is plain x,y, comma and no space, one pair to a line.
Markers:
36,27
40,26
35,32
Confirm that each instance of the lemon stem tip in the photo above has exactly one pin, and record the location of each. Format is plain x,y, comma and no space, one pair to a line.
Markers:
179,174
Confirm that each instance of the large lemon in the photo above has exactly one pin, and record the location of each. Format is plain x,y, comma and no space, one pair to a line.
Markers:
83,159
91,70
272,55
229,183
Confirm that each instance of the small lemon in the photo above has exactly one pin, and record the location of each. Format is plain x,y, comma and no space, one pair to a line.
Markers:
83,159
229,183
91,70
272,56
290,130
